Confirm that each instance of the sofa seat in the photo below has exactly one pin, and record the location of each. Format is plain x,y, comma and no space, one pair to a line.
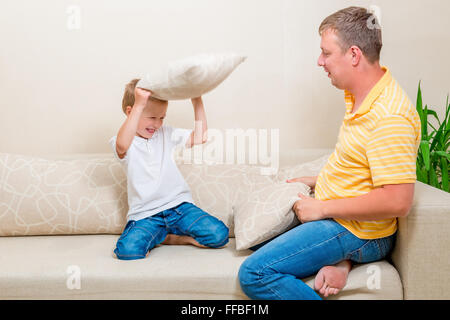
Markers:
44,267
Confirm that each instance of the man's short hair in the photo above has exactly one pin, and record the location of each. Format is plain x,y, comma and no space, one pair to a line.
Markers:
356,26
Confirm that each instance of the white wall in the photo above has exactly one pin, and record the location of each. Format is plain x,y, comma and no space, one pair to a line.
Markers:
61,89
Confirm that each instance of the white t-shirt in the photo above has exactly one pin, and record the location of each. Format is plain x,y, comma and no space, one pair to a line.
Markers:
154,182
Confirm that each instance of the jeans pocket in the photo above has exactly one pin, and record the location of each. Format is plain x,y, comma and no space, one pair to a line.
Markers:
368,252
385,245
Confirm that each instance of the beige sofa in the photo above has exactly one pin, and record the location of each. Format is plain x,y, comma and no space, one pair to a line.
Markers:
60,218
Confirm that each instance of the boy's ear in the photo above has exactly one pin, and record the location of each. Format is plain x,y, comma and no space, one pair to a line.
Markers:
128,110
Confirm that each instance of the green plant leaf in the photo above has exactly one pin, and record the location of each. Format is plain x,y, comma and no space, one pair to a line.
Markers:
433,179
434,114
422,175
425,148
443,154
444,173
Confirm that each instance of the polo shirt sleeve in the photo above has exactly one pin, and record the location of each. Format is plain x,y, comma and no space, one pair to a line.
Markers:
391,151
112,143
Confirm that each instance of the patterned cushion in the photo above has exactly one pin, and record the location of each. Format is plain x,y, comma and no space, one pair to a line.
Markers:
267,211
42,196
87,194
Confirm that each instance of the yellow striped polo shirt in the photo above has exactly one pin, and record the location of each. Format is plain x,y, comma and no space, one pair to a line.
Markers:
377,145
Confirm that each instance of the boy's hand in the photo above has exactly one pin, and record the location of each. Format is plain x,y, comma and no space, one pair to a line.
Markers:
197,101
141,96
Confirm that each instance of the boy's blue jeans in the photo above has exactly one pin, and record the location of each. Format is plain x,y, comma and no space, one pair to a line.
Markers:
274,271
142,235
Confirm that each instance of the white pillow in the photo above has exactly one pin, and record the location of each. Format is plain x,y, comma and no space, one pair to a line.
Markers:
190,77
266,213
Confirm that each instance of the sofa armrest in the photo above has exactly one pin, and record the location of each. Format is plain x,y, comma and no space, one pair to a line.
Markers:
422,251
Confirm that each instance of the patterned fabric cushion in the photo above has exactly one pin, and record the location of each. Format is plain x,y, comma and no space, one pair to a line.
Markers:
42,196
267,209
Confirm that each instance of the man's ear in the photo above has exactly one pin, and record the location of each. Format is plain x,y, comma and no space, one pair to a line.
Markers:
356,53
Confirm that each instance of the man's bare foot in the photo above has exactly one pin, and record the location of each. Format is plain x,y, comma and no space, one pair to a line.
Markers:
331,279
174,239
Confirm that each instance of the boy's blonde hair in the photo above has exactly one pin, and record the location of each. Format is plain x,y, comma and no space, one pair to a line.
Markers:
128,95
356,26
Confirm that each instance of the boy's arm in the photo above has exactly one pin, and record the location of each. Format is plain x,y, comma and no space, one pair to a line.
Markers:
128,129
199,134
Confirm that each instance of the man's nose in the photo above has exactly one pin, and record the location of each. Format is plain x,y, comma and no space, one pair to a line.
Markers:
320,62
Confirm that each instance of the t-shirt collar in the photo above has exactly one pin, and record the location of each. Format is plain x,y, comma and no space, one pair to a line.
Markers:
145,140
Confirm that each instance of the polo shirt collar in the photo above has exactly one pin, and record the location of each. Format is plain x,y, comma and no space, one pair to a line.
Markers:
370,98
145,140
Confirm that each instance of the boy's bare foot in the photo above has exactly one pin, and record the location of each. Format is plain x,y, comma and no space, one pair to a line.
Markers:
174,239
331,279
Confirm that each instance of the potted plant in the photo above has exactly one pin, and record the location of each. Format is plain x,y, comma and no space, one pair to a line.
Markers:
433,156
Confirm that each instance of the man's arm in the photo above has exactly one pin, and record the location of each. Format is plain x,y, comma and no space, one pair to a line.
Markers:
387,201
199,134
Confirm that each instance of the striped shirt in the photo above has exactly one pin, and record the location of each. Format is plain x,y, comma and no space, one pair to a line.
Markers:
377,145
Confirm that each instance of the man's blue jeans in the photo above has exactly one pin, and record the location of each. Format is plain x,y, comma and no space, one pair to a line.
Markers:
142,235
274,271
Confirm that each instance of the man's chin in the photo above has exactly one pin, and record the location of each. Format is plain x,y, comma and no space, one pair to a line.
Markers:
337,85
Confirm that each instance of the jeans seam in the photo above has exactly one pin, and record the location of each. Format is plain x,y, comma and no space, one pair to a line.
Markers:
153,237
190,226
129,255
220,243
297,252
127,230
358,250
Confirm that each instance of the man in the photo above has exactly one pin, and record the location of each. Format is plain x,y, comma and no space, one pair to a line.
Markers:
366,184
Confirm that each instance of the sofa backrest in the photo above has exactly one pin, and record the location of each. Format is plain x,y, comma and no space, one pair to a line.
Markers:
87,194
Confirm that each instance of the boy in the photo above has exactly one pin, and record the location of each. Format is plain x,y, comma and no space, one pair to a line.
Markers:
161,209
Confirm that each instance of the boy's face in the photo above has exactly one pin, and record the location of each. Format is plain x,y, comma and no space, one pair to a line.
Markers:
151,118
336,63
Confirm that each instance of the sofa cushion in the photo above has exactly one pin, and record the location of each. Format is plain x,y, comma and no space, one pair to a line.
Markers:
266,213
307,168
267,209
84,267
86,194
190,77
72,196
217,189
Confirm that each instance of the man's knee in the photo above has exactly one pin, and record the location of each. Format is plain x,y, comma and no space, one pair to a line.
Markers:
249,277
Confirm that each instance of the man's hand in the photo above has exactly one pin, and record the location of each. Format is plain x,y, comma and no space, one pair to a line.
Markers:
141,96
308,209
309,181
